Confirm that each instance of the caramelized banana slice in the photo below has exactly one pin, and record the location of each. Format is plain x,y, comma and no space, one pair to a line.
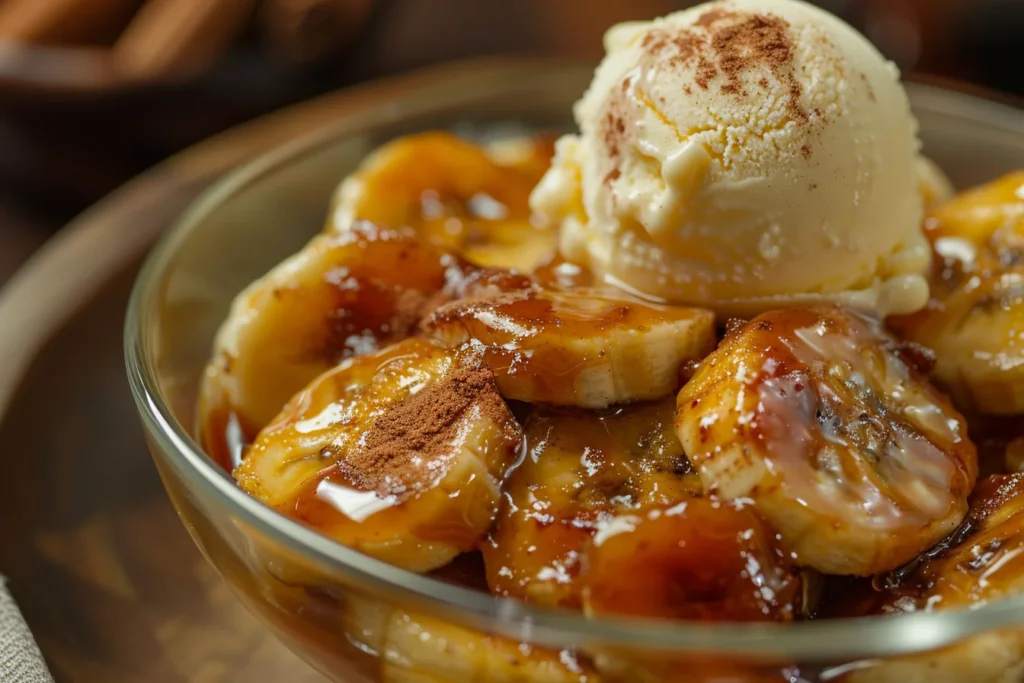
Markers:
700,559
398,454
580,470
975,321
816,415
583,347
340,296
414,648
981,562
455,195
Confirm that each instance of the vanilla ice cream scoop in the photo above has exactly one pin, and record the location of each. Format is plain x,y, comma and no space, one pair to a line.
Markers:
742,155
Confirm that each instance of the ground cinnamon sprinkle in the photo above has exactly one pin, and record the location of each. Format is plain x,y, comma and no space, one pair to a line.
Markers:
728,44
614,135
614,131
415,436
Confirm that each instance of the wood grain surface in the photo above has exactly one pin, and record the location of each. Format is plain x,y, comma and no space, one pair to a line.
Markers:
109,581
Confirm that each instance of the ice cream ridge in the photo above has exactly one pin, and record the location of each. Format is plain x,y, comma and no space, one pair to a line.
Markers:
744,155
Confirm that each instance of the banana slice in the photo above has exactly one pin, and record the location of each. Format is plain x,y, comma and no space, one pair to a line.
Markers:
397,454
584,347
975,320
981,562
580,470
340,296
817,416
414,648
455,194
699,559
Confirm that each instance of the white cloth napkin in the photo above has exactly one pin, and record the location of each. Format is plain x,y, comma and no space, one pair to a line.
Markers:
20,658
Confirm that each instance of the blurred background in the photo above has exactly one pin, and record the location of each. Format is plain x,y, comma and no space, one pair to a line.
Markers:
94,91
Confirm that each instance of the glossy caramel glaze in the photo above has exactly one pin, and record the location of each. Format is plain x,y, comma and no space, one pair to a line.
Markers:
581,470
584,347
416,501
820,418
341,296
1000,441
982,560
698,559
975,319
456,195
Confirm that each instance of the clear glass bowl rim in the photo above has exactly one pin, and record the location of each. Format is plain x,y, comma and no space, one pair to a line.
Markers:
827,640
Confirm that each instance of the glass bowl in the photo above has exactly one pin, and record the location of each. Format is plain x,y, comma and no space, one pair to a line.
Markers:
358,619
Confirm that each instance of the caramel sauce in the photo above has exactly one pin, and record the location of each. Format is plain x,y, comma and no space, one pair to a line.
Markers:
982,560
581,470
466,570
1000,441
225,438
701,559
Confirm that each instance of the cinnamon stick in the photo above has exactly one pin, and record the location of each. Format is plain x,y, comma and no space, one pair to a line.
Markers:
304,31
63,21
179,37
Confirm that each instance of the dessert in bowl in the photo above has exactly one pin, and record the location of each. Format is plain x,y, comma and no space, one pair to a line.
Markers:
711,389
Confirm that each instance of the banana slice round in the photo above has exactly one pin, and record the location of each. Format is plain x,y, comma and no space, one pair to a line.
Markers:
456,195
398,454
584,347
982,561
414,648
975,320
698,559
818,417
341,296
580,471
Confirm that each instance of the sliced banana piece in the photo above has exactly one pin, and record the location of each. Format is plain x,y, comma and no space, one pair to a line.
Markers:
818,417
584,347
454,194
342,295
398,454
983,561
414,648
698,559
975,320
580,471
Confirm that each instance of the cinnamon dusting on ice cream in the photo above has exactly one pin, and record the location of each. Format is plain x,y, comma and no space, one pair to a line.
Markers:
726,43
